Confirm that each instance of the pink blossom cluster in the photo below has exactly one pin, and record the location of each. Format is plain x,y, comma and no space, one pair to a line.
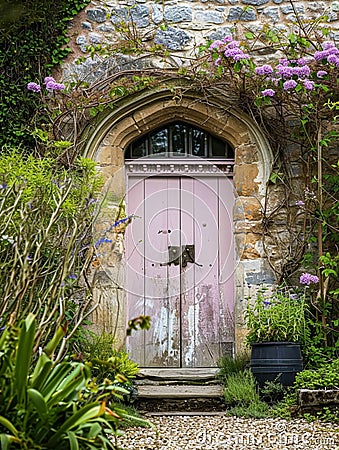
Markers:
50,84
229,48
288,73
307,278
329,53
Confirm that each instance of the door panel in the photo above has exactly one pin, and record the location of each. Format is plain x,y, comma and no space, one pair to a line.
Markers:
189,297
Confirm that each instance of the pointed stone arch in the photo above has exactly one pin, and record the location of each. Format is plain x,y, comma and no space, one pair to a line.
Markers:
138,115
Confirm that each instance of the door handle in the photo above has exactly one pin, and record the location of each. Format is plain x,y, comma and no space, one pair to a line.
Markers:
182,255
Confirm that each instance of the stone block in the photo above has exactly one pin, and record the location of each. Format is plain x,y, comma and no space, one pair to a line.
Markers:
255,2
244,15
313,398
178,14
157,14
244,179
288,9
246,154
96,15
172,38
247,245
272,13
86,26
209,17
95,38
248,208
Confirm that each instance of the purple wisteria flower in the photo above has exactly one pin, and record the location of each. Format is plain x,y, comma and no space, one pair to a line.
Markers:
284,71
34,87
102,241
284,62
333,59
289,84
264,70
321,54
303,71
48,79
321,73
268,93
216,44
308,85
54,86
307,278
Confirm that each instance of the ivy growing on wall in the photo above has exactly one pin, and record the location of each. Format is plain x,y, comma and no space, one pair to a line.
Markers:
33,40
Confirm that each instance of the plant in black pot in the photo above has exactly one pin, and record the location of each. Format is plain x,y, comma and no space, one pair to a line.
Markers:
277,328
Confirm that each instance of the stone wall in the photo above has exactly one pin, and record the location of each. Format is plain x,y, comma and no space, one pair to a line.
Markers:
181,26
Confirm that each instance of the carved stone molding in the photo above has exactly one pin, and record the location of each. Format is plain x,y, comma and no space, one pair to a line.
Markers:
150,166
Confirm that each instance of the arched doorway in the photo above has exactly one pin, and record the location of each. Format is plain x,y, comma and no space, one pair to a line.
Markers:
135,118
179,246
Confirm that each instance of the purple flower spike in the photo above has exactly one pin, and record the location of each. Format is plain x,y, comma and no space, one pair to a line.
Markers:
307,279
264,70
321,73
34,87
48,79
289,84
216,44
268,93
309,85
333,59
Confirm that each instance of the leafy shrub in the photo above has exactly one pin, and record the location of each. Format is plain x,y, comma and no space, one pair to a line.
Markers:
53,405
241,389
326,377
46,221
107,362
278,317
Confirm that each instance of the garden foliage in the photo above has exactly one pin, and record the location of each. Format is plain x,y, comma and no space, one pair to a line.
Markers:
33,40
52,405
45,247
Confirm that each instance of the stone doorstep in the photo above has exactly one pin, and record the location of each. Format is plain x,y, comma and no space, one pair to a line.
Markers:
179,374
180,392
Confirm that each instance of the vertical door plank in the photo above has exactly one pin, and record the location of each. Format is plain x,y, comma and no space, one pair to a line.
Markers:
159,340
226,265
206,279
135,243
189,308
173,272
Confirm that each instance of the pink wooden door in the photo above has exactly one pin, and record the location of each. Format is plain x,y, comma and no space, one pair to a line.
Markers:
180,266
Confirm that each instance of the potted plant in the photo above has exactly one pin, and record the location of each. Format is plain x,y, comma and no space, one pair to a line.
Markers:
276,330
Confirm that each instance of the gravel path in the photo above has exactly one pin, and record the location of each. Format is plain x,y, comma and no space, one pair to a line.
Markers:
221,432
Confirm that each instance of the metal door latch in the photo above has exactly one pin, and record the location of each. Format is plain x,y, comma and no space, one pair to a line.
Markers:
181,255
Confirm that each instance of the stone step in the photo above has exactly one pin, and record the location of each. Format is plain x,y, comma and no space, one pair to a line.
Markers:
179,374
179,391
184,398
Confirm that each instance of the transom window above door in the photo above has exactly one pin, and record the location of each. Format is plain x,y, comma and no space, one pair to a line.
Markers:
179,139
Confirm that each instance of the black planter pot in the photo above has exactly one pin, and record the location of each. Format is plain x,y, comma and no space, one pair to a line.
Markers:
279,361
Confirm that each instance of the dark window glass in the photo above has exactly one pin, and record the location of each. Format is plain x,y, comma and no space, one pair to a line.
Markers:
218,147
199,142
138,149
179,138
159,142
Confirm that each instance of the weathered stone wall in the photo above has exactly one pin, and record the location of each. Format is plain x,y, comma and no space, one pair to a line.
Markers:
181,26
